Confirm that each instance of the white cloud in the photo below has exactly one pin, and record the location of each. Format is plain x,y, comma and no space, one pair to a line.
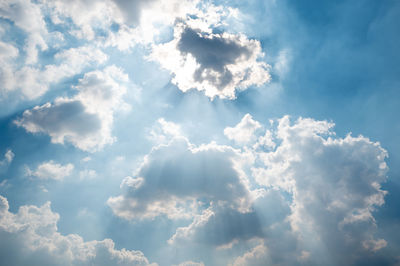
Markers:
243,132
86,119
335,185
7,53
138,21
308,193
218,64
163,131
8,158
175,178
51,170
30,237
375,245
33,82
27,16
255,256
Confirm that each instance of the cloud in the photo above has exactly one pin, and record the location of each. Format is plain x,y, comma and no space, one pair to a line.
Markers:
7,53
218,226
33,82
51,170
8,158
163,131
86,119
125,23
243,132
255,256
218,64
335,185
308,197
28,17
175,178
30,237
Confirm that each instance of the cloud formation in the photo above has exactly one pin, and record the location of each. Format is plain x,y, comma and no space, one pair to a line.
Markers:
218,64
51,170
178,177
34,81
6,161
30,237
86,119
28,17
244,131
298,185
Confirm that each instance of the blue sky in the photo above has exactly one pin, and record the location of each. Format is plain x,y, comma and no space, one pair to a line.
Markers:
199,132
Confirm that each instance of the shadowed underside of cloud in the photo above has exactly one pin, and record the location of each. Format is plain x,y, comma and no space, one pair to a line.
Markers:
30,237
218,64
84,120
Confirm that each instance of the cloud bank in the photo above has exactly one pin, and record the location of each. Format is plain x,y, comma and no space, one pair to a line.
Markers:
30,237
295,183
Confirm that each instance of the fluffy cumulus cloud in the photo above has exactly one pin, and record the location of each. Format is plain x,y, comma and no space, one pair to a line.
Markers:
292,193
33,81
244,131
178,178
335,186
30,237
86,119
28,17
51,170
218,64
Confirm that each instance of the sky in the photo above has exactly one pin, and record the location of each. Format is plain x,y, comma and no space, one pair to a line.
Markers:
192,133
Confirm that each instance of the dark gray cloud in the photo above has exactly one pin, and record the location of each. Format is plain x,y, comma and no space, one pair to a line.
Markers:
62,117
131,9
212,52
218,64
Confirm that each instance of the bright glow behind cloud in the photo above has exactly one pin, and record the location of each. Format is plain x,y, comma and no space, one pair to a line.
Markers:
218,64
